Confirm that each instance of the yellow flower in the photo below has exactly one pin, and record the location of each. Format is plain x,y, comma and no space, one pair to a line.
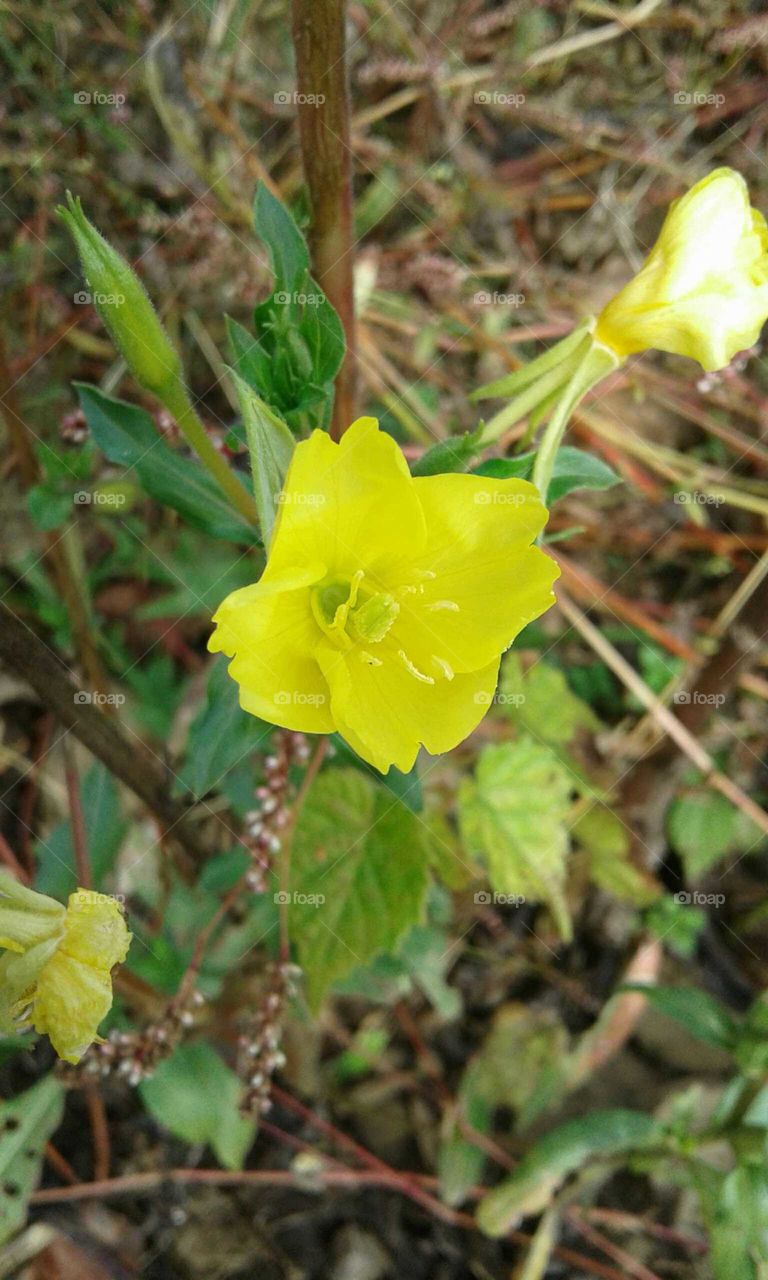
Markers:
703,289
56,973
387,600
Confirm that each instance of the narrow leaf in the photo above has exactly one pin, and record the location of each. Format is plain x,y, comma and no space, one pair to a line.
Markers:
270,444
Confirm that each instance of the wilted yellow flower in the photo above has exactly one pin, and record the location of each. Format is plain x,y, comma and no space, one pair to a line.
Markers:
703,289
56,973
387,600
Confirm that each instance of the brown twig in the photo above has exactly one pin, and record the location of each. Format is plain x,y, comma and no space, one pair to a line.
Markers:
24,653
99,1131
323,110
351,1179
76,818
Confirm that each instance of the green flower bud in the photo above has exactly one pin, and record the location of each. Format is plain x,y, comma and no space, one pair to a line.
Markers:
122,302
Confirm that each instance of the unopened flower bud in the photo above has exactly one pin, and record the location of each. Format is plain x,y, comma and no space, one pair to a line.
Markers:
123,304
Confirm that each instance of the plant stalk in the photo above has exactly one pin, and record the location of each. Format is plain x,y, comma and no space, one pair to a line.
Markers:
323,111
177,402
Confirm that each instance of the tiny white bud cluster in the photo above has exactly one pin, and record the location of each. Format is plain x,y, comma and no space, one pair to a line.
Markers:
264,825
259,1052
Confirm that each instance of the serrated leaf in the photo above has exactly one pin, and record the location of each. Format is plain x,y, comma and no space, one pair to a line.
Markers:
126,435
541,700
271,445
704,827
573,469
513,814
360,864
221,734
694,1009
26,1124
105,829
196,1096
547,1164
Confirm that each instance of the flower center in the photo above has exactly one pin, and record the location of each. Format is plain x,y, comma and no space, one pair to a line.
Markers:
348,612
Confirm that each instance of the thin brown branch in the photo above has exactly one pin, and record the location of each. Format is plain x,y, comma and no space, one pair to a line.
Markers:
323,110
25,654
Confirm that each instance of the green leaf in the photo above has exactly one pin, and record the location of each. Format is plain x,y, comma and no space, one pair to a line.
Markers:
548,1163
271,445
541,700
519,1065
105,829
358,876
48,507
299,338
735,1208
513,383
26,1124
452,454
698,1012
514,815
287,246
703,827
127,435
676,924
605,839
406,786
460,1162
574,469
221,734
196,1096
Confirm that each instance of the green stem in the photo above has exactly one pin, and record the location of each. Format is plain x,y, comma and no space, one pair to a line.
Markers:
525,402
593,367
177,402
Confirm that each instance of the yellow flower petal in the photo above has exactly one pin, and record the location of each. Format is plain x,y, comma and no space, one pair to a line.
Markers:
270,633
26,917
703,290
351,504
71,1001
74,990
95,932
386,714
479,581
